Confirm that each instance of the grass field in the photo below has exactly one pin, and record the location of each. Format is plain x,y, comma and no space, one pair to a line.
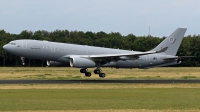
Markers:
65,73
94,97
99,97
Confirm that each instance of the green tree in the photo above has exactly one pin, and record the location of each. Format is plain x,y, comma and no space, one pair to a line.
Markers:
25,34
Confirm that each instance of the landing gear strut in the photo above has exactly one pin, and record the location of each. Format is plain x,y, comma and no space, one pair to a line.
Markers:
23,60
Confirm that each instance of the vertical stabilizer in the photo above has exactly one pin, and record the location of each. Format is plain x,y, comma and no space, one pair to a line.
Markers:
172,42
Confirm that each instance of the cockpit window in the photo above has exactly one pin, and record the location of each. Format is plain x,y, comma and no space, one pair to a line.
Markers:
12,43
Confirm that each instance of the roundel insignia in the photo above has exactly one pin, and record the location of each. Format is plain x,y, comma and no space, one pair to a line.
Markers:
171,39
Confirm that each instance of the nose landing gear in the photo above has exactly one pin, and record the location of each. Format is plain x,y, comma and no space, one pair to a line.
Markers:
23,60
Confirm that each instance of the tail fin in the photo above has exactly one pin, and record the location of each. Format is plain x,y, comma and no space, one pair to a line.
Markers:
172,42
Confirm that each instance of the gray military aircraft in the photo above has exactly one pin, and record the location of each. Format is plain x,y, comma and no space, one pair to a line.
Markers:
83,56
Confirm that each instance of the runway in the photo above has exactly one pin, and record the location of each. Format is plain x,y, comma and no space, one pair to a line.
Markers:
93,81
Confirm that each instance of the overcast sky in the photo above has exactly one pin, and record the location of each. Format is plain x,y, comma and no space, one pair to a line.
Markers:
123,16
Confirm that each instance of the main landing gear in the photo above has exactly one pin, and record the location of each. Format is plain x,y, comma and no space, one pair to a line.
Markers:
96,71
87,74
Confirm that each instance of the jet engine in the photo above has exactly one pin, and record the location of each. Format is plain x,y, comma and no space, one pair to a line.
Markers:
54,63
81,62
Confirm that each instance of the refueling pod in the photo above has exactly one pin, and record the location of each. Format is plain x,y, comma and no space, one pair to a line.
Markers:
55,63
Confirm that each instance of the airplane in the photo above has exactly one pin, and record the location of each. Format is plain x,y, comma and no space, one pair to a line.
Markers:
83,56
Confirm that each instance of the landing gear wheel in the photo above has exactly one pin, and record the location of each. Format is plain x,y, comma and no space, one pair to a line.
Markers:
23,63
83,70
87,74
97,71
102,75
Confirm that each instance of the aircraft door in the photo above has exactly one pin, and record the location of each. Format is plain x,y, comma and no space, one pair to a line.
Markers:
147,58
52,48
24,45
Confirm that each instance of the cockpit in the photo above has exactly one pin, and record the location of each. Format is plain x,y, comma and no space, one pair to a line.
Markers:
12,43
14,47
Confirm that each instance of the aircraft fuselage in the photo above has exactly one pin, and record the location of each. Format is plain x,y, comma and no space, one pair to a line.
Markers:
54,51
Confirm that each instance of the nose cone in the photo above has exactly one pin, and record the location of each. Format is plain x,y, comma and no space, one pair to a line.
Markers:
5,47
10,48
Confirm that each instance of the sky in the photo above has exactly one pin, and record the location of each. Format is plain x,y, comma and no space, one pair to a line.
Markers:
123,16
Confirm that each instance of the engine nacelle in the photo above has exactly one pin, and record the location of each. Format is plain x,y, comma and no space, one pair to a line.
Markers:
81,62
54,63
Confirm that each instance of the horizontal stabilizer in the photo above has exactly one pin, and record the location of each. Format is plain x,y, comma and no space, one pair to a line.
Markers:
178,57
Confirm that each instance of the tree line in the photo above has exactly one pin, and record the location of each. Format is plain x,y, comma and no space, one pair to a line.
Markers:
190,45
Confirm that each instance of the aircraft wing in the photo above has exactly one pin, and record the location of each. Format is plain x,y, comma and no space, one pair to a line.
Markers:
130,55
104,58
